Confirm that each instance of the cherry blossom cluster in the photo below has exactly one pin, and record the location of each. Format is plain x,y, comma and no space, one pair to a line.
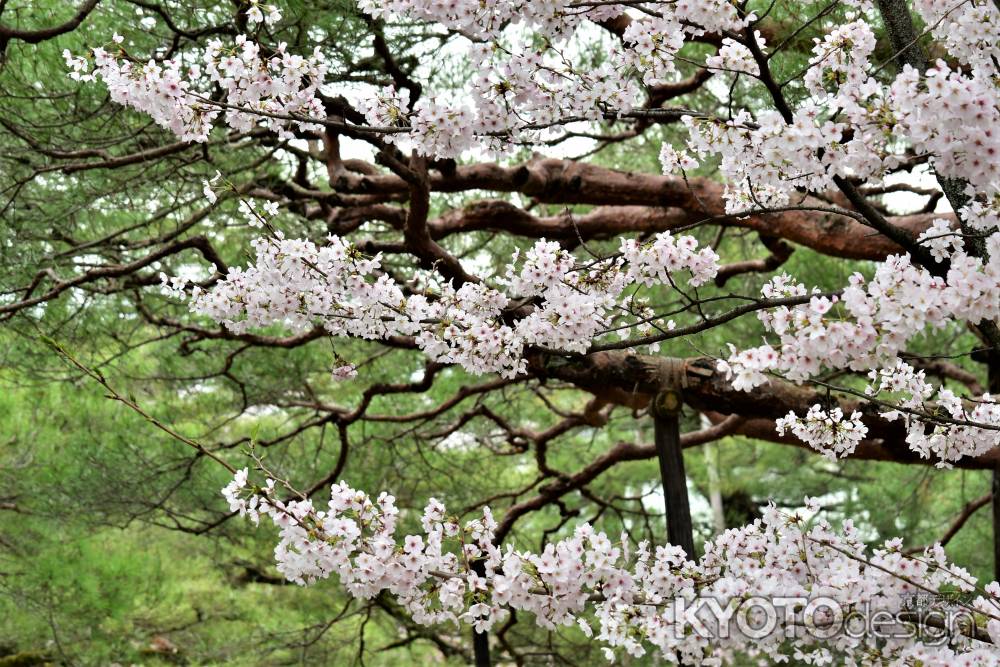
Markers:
555,19
857,127
431,129
344,372
868,325
840,58
973,429
487,19
672,160
949,442
735,57
261,13
908,385
967,29
521,88
296,283
631,598
970,432
388,107
652,46
154,89
764,159
652,262
270,90
953,117
827,432
747,369
982,215
941,240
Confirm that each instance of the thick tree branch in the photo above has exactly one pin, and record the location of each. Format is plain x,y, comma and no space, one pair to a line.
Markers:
632,379
7,33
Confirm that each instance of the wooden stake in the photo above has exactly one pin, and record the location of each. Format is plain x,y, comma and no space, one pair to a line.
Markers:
667,434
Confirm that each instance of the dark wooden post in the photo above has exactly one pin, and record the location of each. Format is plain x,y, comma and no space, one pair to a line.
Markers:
996,522
667,434
993,386
480,640
481,648
991,358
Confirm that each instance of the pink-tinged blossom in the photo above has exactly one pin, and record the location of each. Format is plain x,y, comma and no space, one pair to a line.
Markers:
619,595
828,432
297,283
344,372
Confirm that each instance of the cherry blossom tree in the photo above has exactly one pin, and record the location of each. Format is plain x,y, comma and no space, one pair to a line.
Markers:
806,150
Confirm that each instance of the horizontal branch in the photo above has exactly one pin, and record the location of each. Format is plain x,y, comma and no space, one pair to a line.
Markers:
8,33
630,202
632,379
199,243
